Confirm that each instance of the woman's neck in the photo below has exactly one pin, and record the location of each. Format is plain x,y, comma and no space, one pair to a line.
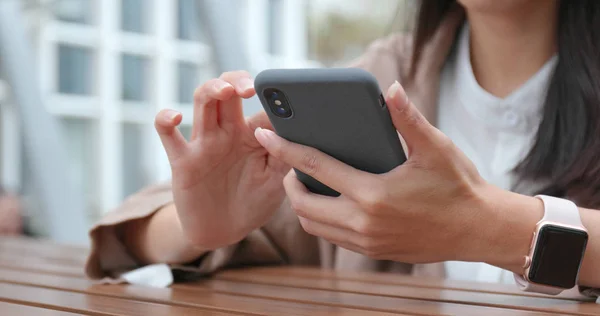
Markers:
508,49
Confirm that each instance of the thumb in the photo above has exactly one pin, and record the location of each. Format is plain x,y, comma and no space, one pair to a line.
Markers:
261,120
412,125
166,123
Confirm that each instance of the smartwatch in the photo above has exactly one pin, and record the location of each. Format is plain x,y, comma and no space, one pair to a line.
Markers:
556,250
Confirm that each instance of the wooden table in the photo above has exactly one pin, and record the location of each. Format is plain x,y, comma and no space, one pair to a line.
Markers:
43,278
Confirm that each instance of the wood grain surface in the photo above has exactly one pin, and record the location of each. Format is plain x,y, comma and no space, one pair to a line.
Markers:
44,278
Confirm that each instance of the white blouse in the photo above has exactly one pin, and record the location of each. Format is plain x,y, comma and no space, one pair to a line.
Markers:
495,133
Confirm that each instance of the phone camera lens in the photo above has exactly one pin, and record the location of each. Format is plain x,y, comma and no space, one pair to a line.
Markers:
278,103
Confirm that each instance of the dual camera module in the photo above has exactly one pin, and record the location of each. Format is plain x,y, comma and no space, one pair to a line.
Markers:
278,103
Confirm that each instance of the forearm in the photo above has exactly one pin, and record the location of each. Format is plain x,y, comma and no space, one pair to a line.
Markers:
160,239
510,228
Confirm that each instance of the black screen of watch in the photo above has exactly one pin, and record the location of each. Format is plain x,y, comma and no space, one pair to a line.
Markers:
557,256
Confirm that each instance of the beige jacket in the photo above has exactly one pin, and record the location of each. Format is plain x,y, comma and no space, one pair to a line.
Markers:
283,241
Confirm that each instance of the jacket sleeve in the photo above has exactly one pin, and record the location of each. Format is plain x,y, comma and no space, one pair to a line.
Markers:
387,58
280,241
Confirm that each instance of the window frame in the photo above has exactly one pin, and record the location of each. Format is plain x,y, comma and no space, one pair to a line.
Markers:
107,40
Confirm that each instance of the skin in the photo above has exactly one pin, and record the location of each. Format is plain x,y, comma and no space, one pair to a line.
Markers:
437,199
10,215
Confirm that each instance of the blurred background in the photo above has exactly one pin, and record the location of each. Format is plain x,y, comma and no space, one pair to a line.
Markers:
81,80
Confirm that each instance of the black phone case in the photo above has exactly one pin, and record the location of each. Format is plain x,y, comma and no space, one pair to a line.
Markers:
338,111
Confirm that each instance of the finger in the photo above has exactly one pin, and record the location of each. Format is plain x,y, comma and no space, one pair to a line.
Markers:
327,210
206,98
259,120
326,169
166,123
412,125
347,246
232,112
336,235
241,81
262,120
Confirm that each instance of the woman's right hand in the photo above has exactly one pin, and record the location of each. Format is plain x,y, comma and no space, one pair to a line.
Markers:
225,184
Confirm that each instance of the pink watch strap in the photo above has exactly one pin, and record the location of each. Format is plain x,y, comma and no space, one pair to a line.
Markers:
560,211
537,288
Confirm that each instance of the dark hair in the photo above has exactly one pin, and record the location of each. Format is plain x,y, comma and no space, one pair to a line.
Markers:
566,152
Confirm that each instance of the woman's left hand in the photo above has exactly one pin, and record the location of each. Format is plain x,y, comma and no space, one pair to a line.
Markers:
434,207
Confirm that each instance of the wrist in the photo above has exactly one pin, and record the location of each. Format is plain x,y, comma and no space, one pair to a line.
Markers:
505,228
181,249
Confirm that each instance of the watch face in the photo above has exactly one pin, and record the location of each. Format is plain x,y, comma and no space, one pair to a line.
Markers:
557,256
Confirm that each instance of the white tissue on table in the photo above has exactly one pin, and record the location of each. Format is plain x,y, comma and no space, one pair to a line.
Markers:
155,275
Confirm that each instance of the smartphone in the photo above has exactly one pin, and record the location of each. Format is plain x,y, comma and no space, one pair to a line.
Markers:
339,111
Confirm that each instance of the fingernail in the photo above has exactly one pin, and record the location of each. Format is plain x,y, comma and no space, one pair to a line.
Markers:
220,85
263,136
393,89
172,115
397,92
246,84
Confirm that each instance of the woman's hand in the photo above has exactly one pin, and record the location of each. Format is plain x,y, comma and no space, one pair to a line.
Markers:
435,207
224,183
